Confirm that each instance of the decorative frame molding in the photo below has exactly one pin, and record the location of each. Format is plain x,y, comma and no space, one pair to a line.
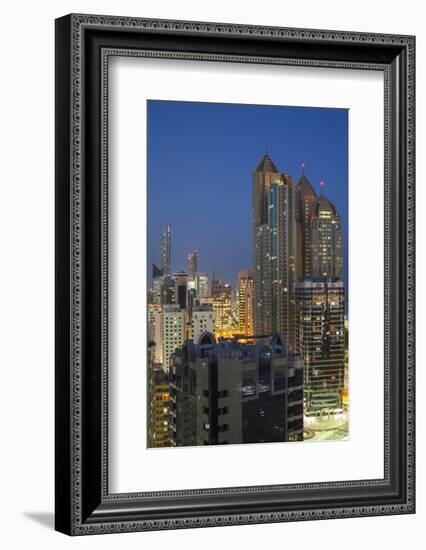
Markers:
84,43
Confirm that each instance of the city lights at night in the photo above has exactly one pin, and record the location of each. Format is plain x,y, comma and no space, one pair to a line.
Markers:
248,277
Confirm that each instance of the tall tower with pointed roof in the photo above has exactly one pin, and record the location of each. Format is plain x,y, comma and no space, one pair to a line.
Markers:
305,198
274,250
264,175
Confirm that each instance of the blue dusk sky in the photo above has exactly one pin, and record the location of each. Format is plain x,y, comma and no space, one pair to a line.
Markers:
200,162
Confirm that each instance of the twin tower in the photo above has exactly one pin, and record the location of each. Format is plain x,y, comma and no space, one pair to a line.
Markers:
297,236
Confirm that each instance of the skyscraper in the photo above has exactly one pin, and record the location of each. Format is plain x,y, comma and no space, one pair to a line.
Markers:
166,236
155,330
274,250
167,290
282,256
326,240
245,302
263,176
192,264
181,289
228,392
305,198
222,306
173,332
202,285
202,321
320,341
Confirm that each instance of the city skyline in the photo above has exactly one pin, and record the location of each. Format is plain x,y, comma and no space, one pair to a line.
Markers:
312,137
247,339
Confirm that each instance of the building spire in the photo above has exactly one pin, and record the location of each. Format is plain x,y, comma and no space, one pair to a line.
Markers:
321,187
266,164
303,169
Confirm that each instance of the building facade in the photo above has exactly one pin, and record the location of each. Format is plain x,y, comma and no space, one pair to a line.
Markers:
158,407
202,320
282,256
326,240
222,306
264,175
167,290
245,302
227,392
321,342
166,238
181,289
174,325
305,198
274,250
202,285
155,330
192,264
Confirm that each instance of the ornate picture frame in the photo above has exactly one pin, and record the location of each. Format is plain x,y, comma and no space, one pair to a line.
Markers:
84,44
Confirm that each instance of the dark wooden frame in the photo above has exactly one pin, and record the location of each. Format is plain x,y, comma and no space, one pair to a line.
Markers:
83,46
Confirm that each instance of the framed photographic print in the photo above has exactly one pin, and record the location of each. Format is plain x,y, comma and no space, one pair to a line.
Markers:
234,266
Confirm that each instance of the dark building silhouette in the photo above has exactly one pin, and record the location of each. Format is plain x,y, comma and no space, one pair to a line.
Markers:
227,392
156,272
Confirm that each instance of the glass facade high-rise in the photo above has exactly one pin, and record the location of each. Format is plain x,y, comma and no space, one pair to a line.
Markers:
320,307
274,250
202,285
166,237
264,175
326,240
298,279
282,256
181,289
192,264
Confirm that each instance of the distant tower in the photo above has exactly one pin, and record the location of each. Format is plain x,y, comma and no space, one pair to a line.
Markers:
326,240
305,198
192,264
222,307
245,302
202,285
181,289
166,236
173,327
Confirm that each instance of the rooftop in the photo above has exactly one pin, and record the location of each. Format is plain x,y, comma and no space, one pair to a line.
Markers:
266,165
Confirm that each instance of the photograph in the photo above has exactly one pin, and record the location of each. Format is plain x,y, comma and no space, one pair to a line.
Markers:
247,259
234,263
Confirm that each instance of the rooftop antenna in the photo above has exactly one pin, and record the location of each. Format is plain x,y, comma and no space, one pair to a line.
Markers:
321,187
